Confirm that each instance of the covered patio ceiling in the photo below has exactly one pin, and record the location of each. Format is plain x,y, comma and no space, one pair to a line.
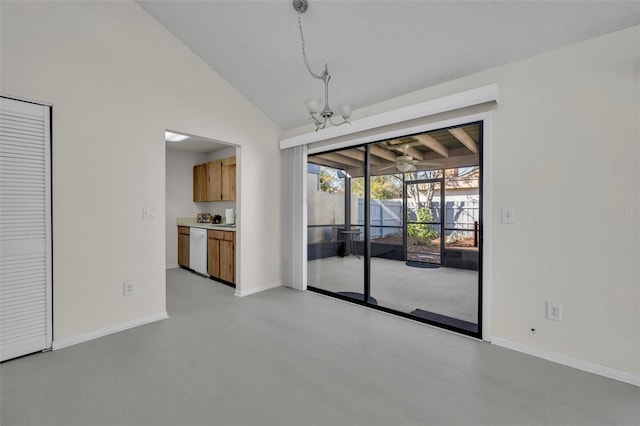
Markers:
433,150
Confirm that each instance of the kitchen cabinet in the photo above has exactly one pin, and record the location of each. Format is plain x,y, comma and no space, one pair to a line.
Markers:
215,180
183,246
214,183
221,255
200,182
228,179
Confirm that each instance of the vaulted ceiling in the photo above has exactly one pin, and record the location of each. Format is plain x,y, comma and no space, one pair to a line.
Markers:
376,50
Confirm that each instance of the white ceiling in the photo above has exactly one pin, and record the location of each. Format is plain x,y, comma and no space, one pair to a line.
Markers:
376,49
197,144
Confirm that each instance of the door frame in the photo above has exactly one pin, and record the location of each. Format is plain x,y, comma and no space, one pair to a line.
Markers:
485,259
405,211
48,209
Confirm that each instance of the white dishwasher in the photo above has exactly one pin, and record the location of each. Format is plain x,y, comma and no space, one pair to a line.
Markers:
198,250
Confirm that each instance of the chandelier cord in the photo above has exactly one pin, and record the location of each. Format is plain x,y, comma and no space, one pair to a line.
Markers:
304,52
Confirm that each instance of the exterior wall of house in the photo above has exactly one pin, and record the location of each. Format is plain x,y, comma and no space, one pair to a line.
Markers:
117,79
565,142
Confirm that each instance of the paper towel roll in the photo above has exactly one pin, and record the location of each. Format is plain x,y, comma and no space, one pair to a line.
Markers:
229,216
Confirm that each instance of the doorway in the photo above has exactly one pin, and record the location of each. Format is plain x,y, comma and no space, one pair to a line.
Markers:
423,231
396,225
183,152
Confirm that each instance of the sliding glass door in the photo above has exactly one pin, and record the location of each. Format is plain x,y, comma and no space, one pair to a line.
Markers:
396,225
335,233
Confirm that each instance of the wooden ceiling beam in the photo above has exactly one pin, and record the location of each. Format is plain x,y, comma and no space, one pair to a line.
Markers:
451,162
383,153
400,146
341,159
417,155
453,152
322,162
465,139
433,144
356,154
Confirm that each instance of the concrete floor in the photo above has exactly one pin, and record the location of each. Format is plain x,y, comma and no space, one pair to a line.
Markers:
284,357
446,291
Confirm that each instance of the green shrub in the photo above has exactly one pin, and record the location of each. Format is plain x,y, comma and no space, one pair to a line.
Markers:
424,232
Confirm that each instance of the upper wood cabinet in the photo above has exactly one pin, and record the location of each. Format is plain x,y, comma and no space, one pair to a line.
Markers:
229,179
200,182
215,181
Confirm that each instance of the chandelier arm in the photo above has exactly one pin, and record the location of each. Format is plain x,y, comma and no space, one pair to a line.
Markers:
304,52
315,120
339,124
319,123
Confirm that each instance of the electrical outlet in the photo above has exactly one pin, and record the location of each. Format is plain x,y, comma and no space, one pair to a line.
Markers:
554,311
532,333
128,288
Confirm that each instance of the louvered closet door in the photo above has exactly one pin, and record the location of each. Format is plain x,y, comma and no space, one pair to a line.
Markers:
25,228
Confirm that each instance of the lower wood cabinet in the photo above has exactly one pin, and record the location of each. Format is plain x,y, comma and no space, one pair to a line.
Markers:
221,260
183,246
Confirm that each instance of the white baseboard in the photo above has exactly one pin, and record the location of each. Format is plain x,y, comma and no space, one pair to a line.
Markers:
172,266
257,289
590,367
105,331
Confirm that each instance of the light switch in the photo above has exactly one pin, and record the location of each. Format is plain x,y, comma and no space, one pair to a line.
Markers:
508,215
148,213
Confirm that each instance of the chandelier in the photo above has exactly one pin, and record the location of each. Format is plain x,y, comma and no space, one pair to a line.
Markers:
319,116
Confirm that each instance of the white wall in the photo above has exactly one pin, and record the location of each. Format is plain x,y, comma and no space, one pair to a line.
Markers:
179,196
223,153
117,80
567,122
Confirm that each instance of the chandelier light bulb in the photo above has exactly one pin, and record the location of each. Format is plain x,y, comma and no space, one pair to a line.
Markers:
345,110
313,105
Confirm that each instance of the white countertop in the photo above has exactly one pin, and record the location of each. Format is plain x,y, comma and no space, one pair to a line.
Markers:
192,223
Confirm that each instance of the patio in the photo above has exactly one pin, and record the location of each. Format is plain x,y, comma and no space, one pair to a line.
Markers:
447,291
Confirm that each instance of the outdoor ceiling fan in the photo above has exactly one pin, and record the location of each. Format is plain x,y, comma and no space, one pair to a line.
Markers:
405,163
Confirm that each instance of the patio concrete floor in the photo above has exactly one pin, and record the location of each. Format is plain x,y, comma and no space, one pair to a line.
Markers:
445,291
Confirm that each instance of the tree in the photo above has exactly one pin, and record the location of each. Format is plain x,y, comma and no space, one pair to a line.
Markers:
453,178
330,181
384,187
425,189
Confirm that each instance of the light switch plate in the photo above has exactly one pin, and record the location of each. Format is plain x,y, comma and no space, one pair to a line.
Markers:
148,213
508,215
128,288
